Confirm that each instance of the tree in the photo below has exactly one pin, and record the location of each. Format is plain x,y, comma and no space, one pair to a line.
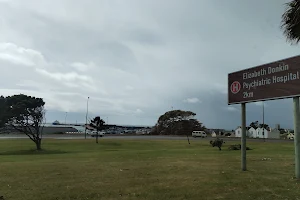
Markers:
255,124
24,114
98,124
282,131
291,21
265,126
177,122
2,111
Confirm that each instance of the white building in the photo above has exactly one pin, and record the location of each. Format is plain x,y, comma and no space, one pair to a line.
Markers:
262,133
213,134
238,132
258,133
252,133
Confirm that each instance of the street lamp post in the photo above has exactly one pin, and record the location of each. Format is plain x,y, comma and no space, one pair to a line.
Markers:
66,118
86,116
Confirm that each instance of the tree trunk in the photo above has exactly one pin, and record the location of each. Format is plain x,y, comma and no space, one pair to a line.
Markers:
38,143
97,137
188,138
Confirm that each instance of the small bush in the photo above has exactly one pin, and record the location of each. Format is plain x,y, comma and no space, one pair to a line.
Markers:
217,143
237,147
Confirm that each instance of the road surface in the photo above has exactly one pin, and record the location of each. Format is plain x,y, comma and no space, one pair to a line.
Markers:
133,137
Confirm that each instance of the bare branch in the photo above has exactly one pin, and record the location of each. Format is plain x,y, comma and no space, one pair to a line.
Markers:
21,130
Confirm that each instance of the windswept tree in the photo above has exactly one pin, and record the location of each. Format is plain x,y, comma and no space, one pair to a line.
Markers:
2,112
23,114
256,125
98,124
177,122
291,21
264,126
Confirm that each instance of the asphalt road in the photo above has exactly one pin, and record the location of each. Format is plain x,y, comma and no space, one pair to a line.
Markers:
134,137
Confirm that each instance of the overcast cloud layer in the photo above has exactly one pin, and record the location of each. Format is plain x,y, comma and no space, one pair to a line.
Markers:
136,59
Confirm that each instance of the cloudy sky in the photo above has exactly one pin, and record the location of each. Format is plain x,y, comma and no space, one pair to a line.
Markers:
136,59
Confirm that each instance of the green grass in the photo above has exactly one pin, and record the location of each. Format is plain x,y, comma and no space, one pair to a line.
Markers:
140,169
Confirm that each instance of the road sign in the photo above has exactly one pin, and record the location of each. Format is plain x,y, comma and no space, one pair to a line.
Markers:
235,87
276,80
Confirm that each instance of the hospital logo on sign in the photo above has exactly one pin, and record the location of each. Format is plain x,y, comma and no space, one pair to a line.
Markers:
235,87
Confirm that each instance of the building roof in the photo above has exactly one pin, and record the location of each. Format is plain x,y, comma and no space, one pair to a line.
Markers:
89,127
56,122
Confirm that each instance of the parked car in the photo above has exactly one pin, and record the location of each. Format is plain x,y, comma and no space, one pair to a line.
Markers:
199,134
94,133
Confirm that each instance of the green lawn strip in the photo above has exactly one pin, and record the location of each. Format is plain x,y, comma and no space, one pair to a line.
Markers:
144,169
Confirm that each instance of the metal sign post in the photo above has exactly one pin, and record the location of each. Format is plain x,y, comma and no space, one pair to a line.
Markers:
243,138
297,136
276,80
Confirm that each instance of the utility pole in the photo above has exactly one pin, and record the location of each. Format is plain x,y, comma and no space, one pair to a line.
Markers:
86,116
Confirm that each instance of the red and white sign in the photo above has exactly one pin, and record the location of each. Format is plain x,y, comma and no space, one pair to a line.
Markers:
235,87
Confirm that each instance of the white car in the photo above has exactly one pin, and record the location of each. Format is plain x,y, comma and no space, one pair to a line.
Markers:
199,134
94,133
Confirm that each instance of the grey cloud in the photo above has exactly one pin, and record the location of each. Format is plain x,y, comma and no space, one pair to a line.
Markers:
142,36
137,59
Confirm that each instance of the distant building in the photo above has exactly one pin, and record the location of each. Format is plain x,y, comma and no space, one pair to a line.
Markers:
252,132
262,133
218,132
56,122
213,134
258,133
238,132
274,133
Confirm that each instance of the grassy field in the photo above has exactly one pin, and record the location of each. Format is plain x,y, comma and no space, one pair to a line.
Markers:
154,170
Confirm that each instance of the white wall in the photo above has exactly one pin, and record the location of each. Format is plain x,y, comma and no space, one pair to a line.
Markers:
213,134
259,132
274,134
252,133
238,132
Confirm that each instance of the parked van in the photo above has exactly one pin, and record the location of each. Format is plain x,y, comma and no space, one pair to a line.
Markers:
199,134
